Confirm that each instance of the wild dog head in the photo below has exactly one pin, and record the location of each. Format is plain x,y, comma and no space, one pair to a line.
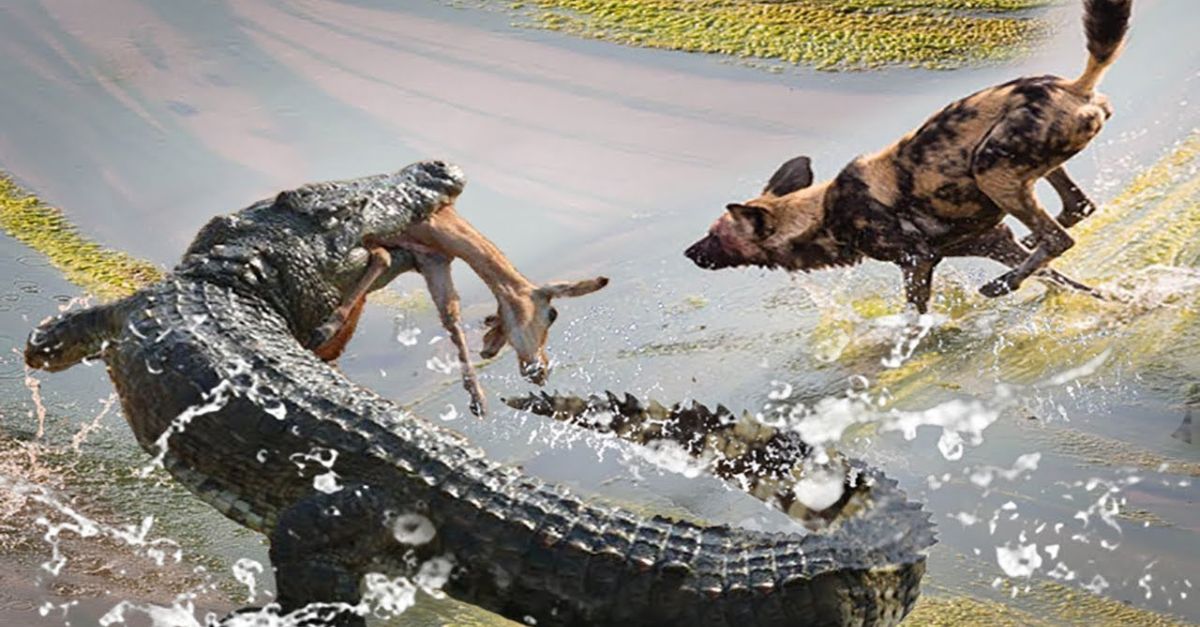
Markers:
775,229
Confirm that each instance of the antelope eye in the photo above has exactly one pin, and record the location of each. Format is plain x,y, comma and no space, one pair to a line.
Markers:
553,315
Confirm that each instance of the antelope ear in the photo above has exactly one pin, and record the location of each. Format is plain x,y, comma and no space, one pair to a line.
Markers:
792,175
567,289
759,218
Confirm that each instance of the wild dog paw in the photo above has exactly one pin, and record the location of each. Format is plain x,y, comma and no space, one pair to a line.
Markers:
998,287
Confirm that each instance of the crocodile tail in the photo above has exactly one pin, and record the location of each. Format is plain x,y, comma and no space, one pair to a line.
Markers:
1106,22
879,535
64,340
762,460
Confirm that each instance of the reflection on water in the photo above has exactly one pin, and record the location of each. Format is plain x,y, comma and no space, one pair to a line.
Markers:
143,119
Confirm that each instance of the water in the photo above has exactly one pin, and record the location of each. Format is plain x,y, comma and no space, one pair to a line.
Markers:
142,120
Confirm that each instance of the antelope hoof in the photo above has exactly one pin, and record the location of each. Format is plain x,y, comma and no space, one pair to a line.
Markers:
323,334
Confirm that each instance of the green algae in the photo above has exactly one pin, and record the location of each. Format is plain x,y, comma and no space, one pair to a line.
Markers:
953,611
406,302
1098,450
1174,186
1067,605
1048,603
105,273
1144,517
100,484
824,34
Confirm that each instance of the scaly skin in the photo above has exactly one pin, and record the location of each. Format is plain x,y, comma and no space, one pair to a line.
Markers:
763,461
215,383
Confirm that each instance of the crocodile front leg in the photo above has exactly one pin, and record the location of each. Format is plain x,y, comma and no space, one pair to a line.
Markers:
319,549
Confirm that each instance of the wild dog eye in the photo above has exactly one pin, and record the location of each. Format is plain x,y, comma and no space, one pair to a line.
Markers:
553,315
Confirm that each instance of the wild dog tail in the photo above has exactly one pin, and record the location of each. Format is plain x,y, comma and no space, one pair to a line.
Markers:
1106,22
69,338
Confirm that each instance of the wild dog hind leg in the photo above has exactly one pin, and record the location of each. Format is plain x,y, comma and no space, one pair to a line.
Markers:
1009,183
1075,204
1000,245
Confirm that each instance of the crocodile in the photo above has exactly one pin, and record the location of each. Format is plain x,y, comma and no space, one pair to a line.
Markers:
218,385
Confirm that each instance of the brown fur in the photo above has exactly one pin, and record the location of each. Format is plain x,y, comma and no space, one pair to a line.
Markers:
941,190
524,313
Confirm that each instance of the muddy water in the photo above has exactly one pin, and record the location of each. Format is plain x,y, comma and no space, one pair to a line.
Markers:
141,120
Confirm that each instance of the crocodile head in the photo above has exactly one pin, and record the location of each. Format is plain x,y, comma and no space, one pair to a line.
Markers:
411,195
305,249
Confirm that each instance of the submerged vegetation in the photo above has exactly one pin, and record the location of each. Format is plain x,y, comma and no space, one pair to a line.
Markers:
825,34
1051,603
105,273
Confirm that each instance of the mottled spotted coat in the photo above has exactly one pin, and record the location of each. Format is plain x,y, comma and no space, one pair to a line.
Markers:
943,189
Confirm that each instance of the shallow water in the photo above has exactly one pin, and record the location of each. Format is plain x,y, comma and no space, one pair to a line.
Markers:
141,120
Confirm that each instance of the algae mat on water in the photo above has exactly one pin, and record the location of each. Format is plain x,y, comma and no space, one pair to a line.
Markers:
825,34
106,273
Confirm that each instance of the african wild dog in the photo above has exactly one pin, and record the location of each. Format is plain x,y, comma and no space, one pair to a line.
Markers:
943,189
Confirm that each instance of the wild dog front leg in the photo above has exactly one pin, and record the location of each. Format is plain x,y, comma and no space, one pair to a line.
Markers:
918,282
435,267
1075,204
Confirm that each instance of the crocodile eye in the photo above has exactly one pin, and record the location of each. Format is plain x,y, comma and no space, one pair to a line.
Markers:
553,315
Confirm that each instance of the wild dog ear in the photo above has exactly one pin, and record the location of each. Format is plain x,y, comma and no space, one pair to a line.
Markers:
759,218
792,175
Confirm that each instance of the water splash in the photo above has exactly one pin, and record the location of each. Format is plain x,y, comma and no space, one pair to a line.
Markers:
138,536
246,571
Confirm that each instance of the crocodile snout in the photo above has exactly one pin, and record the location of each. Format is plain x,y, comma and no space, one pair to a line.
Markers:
443,176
